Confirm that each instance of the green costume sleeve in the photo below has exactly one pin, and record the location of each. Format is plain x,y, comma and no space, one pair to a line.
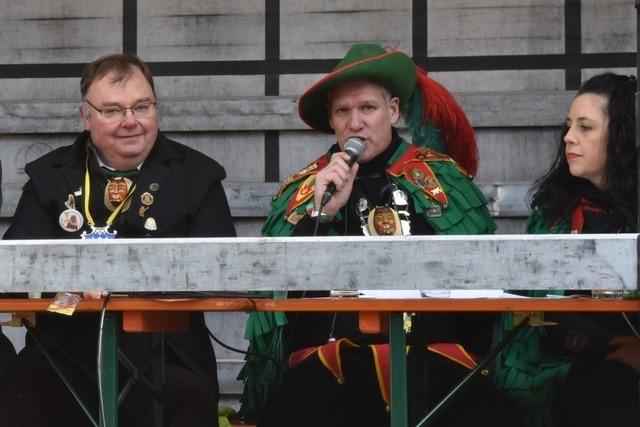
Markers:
276,224
265,362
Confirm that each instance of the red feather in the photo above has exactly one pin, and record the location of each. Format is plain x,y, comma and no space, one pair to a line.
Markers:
441,108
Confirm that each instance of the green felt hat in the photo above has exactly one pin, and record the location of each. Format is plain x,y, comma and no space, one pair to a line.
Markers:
364,62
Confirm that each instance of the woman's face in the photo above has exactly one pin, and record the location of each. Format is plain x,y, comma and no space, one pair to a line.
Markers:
586,138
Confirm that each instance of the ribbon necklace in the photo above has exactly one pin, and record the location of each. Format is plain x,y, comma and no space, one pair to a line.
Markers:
100,232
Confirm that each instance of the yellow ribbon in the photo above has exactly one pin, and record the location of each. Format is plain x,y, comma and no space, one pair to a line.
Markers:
87,193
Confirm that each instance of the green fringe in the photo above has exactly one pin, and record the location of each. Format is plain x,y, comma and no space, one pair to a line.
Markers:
265,361
529,374
466,212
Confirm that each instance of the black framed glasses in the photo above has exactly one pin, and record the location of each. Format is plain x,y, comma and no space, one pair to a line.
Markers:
115,113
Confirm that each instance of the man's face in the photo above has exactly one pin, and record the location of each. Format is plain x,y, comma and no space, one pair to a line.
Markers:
126,141
361,110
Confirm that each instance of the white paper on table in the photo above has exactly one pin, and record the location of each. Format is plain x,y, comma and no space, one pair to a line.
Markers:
390,294
438,293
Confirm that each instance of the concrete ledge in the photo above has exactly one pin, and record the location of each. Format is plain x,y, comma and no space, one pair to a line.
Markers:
308,263
498,109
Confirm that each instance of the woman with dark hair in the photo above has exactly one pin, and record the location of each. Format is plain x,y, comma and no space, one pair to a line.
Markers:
602,121
585,370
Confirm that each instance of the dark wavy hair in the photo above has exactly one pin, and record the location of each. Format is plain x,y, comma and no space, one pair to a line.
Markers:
556,191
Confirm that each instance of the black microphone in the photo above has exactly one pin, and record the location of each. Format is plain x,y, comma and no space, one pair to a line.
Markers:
354,148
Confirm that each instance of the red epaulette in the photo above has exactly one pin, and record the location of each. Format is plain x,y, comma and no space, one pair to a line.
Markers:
454,352
414,166
381,359
306,190
329,355
298,356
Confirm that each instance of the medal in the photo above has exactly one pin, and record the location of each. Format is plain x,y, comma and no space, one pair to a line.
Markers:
400,202
150,224
146,199
70,219
98,233
384,221
391,219
116,192
363,212
434,211
112,193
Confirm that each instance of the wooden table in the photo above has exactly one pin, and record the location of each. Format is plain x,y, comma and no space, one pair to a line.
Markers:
148,314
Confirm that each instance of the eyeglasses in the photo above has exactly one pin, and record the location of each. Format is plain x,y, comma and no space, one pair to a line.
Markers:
115,113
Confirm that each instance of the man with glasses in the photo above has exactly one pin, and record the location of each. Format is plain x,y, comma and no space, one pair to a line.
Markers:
120,178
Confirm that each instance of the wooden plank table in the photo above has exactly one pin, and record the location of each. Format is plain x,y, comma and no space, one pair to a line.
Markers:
137,308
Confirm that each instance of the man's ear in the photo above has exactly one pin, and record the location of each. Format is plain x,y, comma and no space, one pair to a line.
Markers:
394,109
329,115
85,117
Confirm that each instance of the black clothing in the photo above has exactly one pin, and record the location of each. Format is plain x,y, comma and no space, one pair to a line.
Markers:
310,395
187,201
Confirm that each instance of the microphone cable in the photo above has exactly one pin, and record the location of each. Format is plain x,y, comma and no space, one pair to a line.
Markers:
237,350
634,330
103,418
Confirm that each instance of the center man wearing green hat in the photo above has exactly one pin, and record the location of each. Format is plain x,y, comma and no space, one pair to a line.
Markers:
394,188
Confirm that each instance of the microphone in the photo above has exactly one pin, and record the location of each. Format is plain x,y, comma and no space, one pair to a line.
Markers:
354,148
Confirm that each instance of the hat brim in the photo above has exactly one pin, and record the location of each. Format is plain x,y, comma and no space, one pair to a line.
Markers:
395,70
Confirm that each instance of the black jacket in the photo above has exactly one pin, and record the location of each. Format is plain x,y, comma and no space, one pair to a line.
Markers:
188,201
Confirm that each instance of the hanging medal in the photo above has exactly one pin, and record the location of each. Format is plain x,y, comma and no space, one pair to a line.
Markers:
400,201
100,232
115,192
363,211
384,221
390,219
71,219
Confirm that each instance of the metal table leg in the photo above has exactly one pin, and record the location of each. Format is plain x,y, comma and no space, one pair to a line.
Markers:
397,348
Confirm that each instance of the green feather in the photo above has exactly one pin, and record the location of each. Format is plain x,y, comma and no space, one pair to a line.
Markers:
423,132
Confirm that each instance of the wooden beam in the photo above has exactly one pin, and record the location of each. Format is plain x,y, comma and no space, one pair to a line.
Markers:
484,109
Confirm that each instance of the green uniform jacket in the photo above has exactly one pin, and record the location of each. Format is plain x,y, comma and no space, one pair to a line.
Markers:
439,189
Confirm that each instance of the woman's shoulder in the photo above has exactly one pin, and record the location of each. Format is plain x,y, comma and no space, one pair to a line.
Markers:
539,222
